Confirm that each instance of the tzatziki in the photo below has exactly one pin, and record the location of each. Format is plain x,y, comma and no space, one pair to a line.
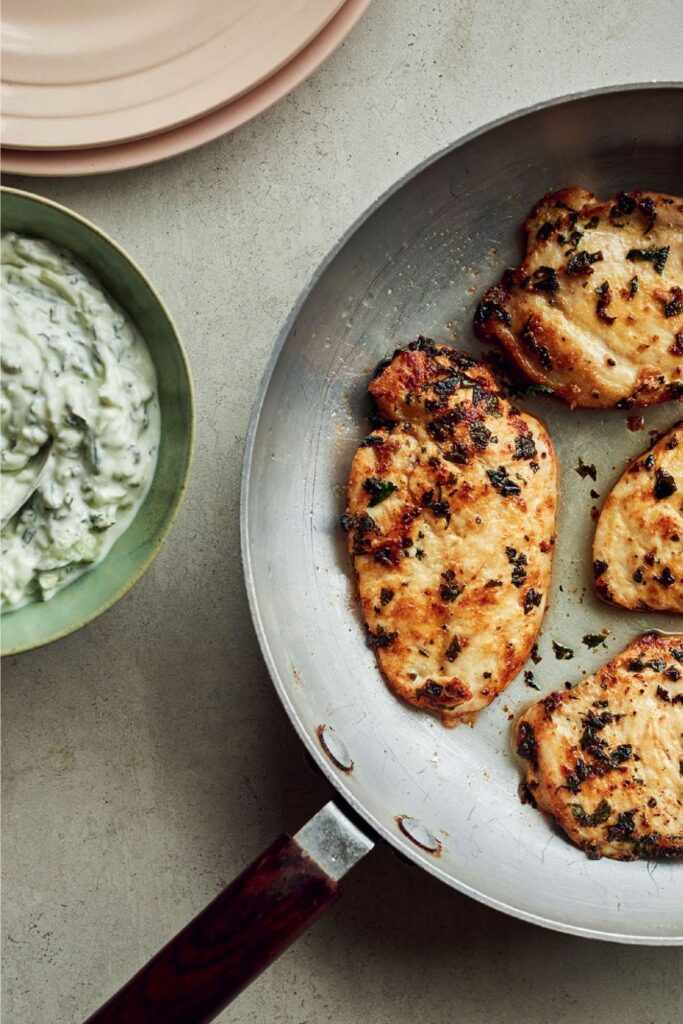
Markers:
77,376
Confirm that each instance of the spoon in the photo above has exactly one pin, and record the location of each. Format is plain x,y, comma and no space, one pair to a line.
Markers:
20,485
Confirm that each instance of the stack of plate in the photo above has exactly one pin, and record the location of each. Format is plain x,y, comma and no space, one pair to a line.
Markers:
109,84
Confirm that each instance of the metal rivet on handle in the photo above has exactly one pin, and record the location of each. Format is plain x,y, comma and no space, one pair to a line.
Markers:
334,747
418,834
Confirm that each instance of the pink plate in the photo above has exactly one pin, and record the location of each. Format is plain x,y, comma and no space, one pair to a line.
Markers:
89,74
65,163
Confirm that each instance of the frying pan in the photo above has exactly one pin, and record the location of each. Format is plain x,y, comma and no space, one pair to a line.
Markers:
447,799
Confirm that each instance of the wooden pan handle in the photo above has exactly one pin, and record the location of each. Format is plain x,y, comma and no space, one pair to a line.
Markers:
248,925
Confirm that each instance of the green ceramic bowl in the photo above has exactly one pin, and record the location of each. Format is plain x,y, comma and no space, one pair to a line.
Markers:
91,594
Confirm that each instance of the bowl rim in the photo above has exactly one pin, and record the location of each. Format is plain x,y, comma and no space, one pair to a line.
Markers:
172,513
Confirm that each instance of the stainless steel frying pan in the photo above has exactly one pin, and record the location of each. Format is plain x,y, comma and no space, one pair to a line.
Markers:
447,799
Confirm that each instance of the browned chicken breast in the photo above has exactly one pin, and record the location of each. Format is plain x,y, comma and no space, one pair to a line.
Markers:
605,759
595,312
451,523
638,546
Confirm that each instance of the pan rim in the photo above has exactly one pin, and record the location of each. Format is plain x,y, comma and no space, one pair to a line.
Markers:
337,781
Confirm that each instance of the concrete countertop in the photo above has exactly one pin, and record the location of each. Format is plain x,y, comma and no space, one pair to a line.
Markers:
146,758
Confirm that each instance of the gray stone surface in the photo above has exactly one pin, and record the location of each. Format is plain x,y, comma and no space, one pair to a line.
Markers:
146,759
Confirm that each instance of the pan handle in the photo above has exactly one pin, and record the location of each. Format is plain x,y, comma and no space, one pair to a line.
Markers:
248,925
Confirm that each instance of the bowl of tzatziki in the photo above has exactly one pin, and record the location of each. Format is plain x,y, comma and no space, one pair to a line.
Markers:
96,422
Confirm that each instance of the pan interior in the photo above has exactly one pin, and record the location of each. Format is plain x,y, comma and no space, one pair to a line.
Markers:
418,264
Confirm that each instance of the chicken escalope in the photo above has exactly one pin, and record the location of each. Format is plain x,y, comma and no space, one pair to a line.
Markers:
451,527
595,311
605,758
638,546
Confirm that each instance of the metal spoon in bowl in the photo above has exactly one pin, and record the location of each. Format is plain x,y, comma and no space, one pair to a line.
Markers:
17,487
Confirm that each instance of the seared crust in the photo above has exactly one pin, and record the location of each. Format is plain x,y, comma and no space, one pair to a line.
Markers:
604,759
638,545
451,524
595,311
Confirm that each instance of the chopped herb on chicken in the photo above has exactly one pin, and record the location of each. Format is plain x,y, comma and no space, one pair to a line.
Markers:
657,257
378,490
